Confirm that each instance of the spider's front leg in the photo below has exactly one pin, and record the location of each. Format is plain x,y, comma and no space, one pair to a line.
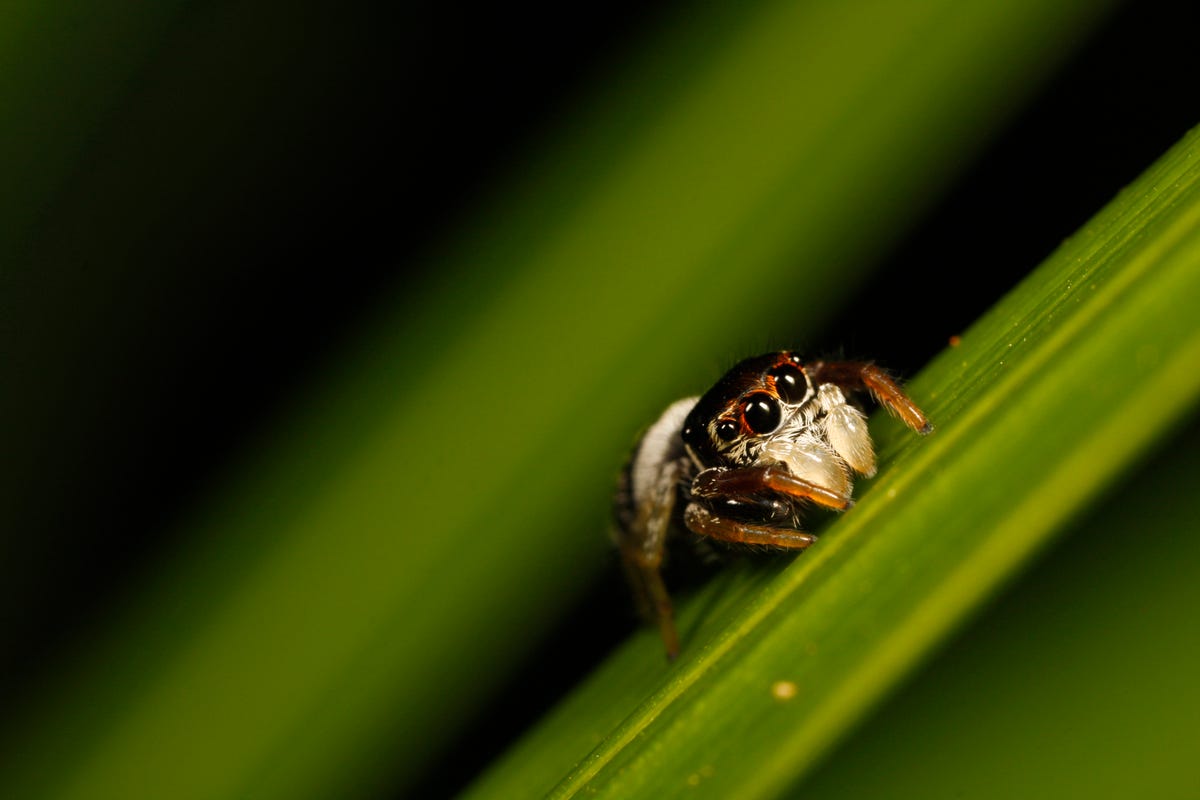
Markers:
751,486
747,481
858,376
703,522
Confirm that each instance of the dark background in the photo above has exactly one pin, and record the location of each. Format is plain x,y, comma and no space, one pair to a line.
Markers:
196,267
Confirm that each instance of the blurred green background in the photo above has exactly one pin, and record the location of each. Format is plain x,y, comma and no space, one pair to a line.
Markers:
323,331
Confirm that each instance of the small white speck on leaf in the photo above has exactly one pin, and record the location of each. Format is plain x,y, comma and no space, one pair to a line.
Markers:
783,690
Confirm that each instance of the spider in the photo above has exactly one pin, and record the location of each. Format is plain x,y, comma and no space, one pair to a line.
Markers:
738,464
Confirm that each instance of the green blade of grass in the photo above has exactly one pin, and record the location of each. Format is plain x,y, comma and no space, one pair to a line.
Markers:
1079,682
1046,401
428,509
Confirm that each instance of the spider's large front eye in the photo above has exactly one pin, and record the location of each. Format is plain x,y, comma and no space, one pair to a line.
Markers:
727,429
790,383
761,412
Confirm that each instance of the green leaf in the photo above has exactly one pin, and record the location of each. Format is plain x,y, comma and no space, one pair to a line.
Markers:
1080,682
1043,405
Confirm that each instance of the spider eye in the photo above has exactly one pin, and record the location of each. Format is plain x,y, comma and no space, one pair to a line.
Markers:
761,413
727,429
789,382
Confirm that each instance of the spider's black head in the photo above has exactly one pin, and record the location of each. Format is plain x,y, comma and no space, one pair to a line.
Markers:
747,404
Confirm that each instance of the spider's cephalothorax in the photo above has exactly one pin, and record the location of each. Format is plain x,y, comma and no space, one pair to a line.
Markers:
739,463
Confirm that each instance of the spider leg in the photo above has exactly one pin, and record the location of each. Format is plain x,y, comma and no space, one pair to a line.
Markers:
744,481
645,576
863,376
642,546
703,522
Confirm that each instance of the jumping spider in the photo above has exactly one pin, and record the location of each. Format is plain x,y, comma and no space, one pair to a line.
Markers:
739,463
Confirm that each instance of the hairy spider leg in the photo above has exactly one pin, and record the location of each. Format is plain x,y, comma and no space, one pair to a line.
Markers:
743,481
642,549
857,376
703,522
